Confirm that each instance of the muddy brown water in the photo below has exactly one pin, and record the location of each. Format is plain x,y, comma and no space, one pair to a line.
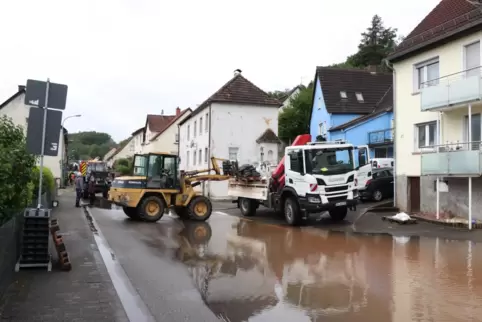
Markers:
252,271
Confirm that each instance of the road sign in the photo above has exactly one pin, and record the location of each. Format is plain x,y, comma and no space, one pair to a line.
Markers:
52,131
36,94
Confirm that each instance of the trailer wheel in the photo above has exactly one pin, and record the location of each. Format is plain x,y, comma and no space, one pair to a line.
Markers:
338,213
152,208
200,208
292,211
247,207
131,212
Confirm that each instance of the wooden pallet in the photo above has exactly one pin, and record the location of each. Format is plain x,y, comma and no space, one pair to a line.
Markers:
62,253
401,222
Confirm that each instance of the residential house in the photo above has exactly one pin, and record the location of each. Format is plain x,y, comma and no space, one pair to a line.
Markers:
168,139
108,157
15,108
154,124
438,112
238,122
136,144
353,105
285,100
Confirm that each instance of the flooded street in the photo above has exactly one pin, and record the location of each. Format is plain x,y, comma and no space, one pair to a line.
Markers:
252,271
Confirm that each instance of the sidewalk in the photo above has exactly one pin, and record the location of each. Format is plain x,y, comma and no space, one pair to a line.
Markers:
86,293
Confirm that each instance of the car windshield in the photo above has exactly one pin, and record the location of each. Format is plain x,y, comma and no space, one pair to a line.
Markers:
98,167
329,161
140,165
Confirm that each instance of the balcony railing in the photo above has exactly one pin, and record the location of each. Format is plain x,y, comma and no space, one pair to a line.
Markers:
451,90
380,137
454,159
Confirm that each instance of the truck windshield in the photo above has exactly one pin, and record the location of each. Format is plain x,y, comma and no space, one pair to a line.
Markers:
140,168
329,161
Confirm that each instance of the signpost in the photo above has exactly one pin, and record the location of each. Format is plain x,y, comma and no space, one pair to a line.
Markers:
43,135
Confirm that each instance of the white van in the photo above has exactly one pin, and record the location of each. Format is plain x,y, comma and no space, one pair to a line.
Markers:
365,172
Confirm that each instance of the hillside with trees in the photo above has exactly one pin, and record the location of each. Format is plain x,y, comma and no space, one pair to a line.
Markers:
88,145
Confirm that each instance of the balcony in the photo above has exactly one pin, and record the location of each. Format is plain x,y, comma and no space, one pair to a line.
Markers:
381,137
451,91
453,160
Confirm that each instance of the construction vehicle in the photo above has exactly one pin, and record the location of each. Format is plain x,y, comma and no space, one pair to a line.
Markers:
99,170
155,186
312,177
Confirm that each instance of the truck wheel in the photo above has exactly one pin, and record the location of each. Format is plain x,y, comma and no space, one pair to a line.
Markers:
131,212
152,209
200,208
292,211
182,212
338,213
247,207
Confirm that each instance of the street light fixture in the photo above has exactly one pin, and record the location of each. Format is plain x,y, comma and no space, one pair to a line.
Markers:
62,166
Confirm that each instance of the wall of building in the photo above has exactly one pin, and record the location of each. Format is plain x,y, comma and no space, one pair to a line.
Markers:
451,61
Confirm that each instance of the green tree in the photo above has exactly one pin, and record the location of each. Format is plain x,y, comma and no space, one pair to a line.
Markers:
16,167
279,94
88,145
376,44
295,118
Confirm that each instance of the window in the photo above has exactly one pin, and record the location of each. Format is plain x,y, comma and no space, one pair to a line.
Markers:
295,164
321,129
205,155
200,126
194,129
379,174
194,158
427,74
176,137
188,132
233,154
200,156
187,159
270,155
475,131
426,135
343,95
207,123
472,59
359,97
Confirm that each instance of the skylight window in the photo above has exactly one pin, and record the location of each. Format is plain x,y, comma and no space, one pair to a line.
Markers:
359,97
343,95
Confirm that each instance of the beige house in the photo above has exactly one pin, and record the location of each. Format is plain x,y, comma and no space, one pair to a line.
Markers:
438,90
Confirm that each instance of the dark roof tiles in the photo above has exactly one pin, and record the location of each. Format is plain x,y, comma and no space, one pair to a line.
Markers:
268,136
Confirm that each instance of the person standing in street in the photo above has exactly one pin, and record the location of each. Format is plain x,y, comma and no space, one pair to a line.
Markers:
79,187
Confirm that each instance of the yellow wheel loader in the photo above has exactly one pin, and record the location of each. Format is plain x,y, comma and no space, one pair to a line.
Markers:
157,184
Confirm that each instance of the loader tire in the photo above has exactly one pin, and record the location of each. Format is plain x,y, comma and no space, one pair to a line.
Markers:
200,208
152,209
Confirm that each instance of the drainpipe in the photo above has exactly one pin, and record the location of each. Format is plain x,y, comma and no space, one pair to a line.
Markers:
395,132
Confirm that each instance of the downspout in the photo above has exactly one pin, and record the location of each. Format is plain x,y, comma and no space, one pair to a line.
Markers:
209,148
394,132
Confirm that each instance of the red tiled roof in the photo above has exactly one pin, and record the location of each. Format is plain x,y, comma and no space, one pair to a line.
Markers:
157,123
171,123
447,19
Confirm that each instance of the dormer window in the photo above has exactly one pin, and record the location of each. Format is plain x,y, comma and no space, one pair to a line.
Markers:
359,97
343,95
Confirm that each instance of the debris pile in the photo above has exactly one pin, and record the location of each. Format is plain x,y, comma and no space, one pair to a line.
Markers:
246,172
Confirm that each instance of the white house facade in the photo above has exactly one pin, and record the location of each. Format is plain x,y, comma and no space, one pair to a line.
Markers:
15,109
438,114
168,139
285,101
230,125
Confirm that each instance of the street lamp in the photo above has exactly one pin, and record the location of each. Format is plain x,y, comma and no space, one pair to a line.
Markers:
62,166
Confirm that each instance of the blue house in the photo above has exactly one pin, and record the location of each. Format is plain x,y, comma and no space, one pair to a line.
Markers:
354,105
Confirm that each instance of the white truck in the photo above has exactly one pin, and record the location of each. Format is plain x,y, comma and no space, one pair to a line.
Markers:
313,177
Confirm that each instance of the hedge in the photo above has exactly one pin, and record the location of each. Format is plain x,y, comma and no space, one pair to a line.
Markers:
48,181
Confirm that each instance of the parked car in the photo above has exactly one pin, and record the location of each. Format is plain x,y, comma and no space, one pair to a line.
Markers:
379,185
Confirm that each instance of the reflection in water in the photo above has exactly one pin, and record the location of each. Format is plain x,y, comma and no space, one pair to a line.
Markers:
248,271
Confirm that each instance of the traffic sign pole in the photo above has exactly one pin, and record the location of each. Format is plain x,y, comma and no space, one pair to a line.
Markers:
44,128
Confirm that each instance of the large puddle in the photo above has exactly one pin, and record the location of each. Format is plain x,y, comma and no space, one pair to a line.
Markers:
249,271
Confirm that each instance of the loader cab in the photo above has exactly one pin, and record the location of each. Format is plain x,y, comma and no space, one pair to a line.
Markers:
160,170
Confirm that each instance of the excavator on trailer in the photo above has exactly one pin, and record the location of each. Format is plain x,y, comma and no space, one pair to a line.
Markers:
157,184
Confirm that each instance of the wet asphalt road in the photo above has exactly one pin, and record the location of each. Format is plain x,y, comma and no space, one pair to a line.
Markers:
233,269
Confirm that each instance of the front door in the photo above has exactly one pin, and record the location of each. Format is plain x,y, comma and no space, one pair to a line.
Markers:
293,172
414,194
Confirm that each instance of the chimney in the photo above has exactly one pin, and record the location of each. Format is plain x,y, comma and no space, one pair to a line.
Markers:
178,111
372,68
237,72
162,112
21,88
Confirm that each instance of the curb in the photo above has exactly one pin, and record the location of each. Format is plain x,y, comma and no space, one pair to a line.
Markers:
383,209
448,224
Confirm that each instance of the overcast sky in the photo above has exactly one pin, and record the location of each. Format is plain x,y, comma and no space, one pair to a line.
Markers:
123,59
